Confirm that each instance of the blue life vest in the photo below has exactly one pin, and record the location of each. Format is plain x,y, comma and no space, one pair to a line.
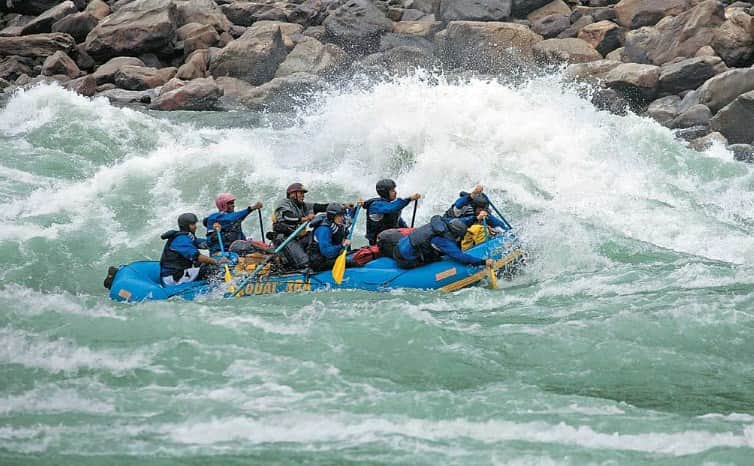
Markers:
377,223
338,235
171,262
421,240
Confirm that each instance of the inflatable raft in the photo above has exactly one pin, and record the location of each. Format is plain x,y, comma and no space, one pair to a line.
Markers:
140,281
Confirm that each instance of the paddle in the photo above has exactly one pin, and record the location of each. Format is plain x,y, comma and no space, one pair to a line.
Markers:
490,269
268,259
507,225
261,226
339,268
228,276
413,216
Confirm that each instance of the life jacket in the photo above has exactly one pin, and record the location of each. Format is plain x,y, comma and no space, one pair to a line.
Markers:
388,240
464,211
365,255
286,227
338,235
229,234
171,262
377,223
474,235
421,240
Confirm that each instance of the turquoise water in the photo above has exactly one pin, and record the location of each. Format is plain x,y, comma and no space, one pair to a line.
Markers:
626,341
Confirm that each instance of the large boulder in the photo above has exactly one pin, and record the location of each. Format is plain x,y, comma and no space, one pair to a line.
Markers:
43,23
488,47
195,66
282,94
85,85
253,57
60,63
550,26
32,7
475,10
400,60
742,152
197,36
269,28
721,90
199,94
522,8
604,36
203,12
735,120
106,73
357,25
576,27
248,13
98,8
688,74
126,97
733,40
78,25
636,81
13,67
424,29
599,13
679,36
634,14
37,45
696,115
313,57
141,78
139,27
590,71
555,7
565,50
664,109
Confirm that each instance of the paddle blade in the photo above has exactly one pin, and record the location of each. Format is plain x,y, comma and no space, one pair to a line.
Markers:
339,269
228,276
493,278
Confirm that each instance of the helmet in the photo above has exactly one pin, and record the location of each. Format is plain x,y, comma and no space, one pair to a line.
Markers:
184,220
295,187
457,228
480,202
384,187
334,209
222,200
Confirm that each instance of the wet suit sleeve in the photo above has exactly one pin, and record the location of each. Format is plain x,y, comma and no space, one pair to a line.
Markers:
324,242
187,247
495,222
388,207
452,250
462,201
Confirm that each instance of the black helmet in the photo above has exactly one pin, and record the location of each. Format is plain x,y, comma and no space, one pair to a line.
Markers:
384,187
480,202
457,228
334,209
184,220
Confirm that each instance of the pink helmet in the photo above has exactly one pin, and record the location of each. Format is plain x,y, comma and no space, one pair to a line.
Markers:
222,200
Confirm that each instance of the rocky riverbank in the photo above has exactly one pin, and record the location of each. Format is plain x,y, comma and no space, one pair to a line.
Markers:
685,63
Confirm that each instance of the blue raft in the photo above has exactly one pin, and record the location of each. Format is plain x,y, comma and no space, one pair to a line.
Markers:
140,281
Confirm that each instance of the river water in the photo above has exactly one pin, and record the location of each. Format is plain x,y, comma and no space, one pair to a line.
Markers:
627,340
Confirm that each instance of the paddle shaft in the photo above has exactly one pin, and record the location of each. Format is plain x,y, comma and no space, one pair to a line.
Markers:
413,216
269,258
339,267
222,251
261,226
508,225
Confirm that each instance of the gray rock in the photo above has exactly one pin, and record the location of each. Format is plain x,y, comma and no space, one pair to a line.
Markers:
565,50
248,13
201,11
522,8
282,94
733,40
106,73
98,8
475,10
576,27
697,115
85,85
312,57
37,45
60,63
412,15
393,40
424,29
690,73
141,78
705,142
742,152
555,7
195,66
610,100
637,82
719,91
139,27
124,97
735,119
689,134
597,69
550,26
664,109
679,36
604,36
254,57
43,23
199,94
33,7
83,60
599,14
356,26
13,67
398,61
197,36
78,25
634,14
488,47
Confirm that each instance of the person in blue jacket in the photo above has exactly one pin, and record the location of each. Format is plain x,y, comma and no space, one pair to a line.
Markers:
384,212
181,261
430,242
229,220
469,205
328,239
